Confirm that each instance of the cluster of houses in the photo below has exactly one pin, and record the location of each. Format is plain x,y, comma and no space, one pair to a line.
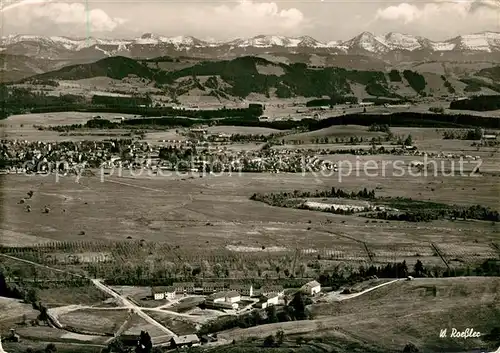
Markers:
220,296
45,157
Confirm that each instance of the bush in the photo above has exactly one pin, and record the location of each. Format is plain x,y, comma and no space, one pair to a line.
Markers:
410,348
437,110
269,341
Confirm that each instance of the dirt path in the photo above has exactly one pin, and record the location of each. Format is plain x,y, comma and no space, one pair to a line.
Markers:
337,296
40,265
128,304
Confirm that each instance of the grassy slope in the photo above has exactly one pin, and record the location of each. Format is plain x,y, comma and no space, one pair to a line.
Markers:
404,312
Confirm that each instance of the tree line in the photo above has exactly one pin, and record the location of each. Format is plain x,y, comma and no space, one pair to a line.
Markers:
408,210
477,103
471,134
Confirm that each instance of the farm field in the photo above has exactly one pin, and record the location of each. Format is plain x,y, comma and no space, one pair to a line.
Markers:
242,130
333,132
180,326
60,296
214,213
186,304
12,312
45,333
136,324
94,321
21,127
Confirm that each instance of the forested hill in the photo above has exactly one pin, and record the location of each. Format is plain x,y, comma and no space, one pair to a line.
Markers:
242,76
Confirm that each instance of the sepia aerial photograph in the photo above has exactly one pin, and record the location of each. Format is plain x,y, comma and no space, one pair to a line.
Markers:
250,176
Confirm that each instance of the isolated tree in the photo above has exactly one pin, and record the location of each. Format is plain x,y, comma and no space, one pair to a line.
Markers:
408,141
218,269
298,303
205,267
43,316
256,317
418,268
145,345
50,348
302,269
410,348
280,336
403,269
196,271
32,296
493,337
269,341
271,314
187,269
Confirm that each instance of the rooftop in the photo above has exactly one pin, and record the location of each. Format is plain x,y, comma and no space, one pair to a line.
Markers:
312,284
230,294
269,296
273,288
186,339
163,289
183,284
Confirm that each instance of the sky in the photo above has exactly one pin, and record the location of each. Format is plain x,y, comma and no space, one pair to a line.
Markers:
324,20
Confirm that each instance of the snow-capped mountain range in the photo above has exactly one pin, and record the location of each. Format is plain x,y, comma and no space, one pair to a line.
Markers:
151,45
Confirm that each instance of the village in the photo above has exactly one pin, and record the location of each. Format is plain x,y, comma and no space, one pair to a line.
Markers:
197,150
235,299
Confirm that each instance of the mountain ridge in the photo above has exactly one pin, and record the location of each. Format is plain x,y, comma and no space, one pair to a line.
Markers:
147,44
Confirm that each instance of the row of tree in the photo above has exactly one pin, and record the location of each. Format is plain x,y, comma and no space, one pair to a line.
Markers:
471,134
409,210
477,212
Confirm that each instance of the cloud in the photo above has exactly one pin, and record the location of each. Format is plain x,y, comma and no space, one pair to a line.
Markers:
63,17
224,20
248,18
459,16
404,12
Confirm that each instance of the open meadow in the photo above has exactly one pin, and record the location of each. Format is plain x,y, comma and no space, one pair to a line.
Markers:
204,217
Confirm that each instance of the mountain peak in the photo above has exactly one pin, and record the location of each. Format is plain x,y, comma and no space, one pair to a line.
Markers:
150,44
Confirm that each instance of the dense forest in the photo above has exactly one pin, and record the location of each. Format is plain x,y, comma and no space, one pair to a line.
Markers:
477,103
